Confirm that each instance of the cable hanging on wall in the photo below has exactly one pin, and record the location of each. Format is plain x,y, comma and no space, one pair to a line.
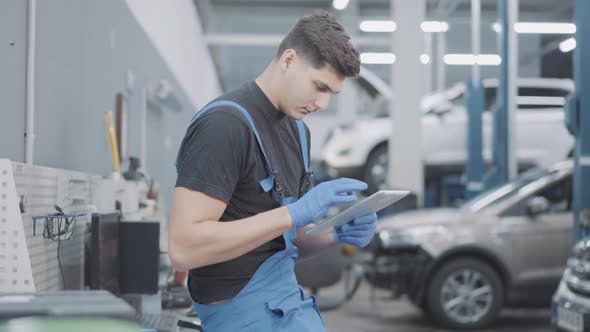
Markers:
57,227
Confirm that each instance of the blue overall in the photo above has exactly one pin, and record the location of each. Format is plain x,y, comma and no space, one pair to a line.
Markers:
272,300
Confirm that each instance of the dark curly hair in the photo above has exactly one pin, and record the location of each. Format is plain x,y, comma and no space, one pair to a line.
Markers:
322,40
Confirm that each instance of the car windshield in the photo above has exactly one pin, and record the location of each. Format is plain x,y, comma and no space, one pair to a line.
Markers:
500,193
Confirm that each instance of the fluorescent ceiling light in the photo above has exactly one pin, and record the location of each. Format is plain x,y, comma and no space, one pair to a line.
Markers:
496,27
425,59
434,26
377,58
390,26
567,45
378,26
459,59
540,100
340,4
540,27
387,58
489,60
470,59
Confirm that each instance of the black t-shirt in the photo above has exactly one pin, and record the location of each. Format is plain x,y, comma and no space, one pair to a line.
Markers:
220,156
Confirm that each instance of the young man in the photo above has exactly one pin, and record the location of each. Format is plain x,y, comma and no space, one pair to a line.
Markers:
243,202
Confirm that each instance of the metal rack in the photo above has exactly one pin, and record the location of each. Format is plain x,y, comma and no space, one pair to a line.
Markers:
28,262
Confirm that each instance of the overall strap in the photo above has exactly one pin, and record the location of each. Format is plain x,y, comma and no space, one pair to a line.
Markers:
303,141
267,183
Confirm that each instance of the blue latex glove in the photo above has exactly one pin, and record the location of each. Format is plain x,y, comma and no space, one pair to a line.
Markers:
316,202
358,232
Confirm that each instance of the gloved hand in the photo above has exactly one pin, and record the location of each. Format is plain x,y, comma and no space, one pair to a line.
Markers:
358,232
316,202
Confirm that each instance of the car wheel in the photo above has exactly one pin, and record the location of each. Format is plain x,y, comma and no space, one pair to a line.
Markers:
465,294
376,169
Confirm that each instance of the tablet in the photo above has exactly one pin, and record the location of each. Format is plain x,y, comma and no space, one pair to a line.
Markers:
373,203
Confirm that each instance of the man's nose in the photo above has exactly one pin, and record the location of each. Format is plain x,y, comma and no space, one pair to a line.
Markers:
321,102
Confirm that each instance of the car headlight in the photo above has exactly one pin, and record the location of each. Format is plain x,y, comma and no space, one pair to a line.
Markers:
411,236
572,263
579,266
395,238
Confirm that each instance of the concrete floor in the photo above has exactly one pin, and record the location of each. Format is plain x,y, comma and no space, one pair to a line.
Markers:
362,315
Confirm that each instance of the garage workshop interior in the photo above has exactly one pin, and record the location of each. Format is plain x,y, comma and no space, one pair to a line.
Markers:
295,165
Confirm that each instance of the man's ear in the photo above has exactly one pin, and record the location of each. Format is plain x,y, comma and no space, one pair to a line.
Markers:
287,59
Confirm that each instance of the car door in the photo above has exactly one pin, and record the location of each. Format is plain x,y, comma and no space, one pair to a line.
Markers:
540,111
444,130
540,243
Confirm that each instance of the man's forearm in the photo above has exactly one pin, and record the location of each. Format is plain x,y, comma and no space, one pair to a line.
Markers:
209,242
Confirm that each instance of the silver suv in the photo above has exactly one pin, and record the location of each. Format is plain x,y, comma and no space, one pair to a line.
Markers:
506,247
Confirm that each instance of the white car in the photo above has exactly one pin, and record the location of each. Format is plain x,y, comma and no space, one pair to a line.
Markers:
359,149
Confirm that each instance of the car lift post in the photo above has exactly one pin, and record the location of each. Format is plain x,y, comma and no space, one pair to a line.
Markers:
475,164
474,102
504,133
578,120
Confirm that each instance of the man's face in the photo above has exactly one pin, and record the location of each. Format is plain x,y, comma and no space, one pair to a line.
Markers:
307,89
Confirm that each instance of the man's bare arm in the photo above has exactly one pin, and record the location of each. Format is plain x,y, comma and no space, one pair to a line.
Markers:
197,238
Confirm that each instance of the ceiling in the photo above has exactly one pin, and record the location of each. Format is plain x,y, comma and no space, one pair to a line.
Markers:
547,9
258,18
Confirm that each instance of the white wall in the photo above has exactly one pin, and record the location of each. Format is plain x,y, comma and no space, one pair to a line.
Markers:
175,31
84,52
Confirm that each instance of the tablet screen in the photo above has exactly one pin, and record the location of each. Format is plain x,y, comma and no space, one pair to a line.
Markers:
373,203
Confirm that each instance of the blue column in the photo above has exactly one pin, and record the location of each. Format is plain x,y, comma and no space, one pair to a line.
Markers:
475,165
579,119
499,172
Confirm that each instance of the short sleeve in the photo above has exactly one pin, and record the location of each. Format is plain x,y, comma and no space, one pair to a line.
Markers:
213,153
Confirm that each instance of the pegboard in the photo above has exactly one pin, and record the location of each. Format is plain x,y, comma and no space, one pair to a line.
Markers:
38,189
15,267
